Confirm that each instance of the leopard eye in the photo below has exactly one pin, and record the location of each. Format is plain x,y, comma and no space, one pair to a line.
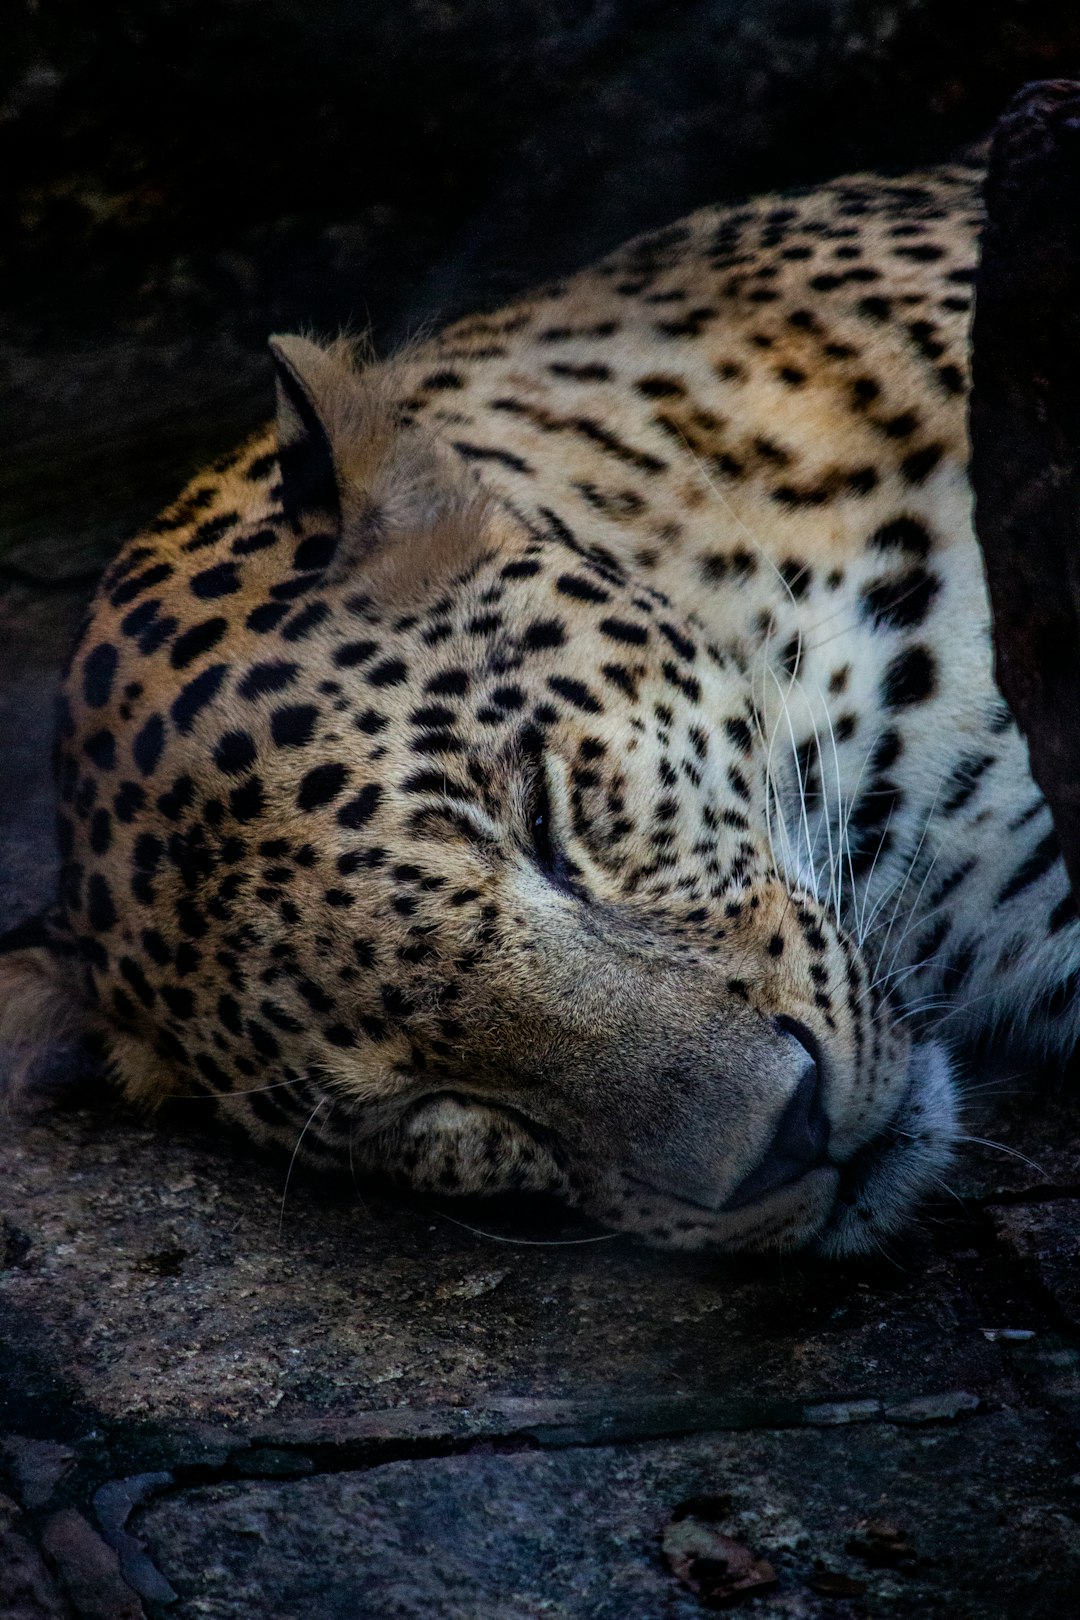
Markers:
541,831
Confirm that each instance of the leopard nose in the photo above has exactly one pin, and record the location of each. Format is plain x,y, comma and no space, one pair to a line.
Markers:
801,1139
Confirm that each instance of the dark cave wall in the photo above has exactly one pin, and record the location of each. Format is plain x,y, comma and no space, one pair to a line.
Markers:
180,177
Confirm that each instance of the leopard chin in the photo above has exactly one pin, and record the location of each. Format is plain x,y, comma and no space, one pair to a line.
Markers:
884,1181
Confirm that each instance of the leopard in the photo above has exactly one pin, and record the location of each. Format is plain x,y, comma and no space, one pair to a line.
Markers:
564,756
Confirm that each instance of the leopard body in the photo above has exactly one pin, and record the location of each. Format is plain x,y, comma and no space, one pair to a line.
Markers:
567,756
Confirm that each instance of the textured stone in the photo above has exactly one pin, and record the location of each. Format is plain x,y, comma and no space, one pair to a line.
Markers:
1046,1237
964,1520
89,1569
37,1467
299,1320
27,1590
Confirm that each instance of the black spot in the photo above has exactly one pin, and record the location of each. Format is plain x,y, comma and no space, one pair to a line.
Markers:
235,753
874,308
141,617
861,480
677,641
265,678
910,678
739,784
902,601
391,672
371,722
248,801
692,324
249,543
902,534
321,785
100,831
142,582
797,576
360,809
100,910
196,695
900,426
148,744
228,1010
964,780
582,589
129,800
505,458
196,641
315,552
922,252
266,617
1039,862
176,799
1063,914
575,692
100,749
585,372
660,387
303,623
148,852
98,672
137,979
432,782
211,530
541,634
443,380
221,580
155,947
294,725
180,1002
918,466
887,751
739,732
635,635
452,683
157,633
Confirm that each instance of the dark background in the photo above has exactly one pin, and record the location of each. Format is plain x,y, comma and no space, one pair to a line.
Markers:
178,178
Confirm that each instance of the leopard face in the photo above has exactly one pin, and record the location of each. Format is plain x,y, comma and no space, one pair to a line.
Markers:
411,832
567,758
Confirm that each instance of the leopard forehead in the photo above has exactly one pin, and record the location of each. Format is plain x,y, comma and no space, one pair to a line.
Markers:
423,752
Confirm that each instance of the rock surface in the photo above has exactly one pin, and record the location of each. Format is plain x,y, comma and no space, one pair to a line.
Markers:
577,1532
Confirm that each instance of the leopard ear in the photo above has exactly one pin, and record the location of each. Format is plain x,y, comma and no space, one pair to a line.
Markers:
402,506
304,373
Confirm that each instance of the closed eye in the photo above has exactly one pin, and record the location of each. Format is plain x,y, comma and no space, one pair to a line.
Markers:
544,845
541,831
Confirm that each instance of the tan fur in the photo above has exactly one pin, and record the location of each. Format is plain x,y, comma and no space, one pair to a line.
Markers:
408,514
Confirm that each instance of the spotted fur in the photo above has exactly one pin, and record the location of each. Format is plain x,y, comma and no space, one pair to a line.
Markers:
529,761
